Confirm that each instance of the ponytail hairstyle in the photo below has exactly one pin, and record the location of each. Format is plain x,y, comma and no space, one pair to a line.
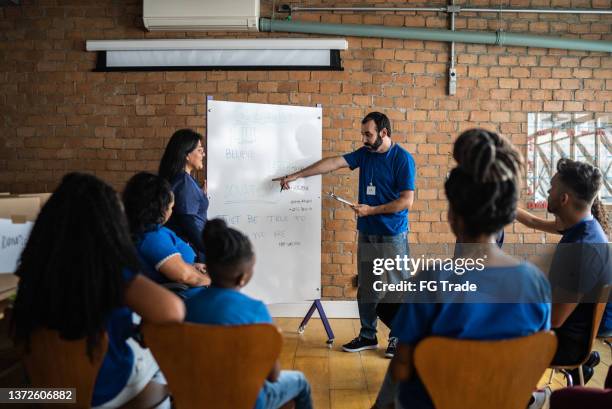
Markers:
483,188
599,212
226,249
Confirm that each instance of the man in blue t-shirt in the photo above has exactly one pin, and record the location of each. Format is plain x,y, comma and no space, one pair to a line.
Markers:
581,265
386,193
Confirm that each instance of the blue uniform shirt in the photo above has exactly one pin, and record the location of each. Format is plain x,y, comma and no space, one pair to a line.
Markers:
389,173
159,244
476,321
119,359
189,214
581,265
222,306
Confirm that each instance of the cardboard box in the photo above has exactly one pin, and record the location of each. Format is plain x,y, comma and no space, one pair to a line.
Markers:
42,196
17,216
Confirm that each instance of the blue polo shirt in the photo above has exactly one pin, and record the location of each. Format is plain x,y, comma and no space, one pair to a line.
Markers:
222,306
158,245
475,321
581,266
389,173
190,210
119,359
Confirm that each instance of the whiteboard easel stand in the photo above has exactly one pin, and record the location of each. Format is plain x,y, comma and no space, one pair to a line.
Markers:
316,305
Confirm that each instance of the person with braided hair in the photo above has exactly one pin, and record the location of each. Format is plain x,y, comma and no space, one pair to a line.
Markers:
581,264
230,260
482,192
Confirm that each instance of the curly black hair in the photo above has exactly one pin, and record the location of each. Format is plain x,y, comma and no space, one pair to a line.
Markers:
146,198
483,188
71,269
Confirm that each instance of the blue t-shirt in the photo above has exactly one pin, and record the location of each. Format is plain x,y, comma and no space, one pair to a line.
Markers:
189,214
119,359
581,266
390,173
156,246
222,306
475,321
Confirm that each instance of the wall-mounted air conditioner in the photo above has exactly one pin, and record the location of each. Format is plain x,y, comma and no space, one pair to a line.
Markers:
201,15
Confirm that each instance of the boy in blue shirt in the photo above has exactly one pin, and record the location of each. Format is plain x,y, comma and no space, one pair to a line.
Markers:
230,260
386,193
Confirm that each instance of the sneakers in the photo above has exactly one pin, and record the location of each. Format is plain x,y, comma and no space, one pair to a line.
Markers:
360,344
540,399
390,352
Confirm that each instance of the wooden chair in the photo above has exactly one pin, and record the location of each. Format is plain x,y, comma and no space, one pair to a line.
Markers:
598,310
53,362
483,374
214,366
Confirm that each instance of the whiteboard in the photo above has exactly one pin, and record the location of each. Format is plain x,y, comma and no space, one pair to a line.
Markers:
247,146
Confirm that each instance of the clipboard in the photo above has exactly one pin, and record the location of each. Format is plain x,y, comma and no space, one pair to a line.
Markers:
340,199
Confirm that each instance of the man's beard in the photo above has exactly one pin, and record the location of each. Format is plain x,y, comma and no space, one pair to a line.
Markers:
374,146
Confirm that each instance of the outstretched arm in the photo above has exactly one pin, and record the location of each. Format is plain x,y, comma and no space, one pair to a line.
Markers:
529,220
318,168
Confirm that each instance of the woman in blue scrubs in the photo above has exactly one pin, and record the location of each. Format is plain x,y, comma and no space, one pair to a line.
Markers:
183,155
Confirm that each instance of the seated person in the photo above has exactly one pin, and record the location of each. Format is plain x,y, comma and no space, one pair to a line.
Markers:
148,202
230,260
387,309
79,276
581,263
513,296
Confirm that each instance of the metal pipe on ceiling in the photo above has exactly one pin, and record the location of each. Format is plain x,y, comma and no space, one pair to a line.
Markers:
500,38
297,9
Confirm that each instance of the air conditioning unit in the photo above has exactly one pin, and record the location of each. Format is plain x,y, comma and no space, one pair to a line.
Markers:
201,15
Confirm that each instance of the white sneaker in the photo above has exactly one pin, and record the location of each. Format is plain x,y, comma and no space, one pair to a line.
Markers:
541,399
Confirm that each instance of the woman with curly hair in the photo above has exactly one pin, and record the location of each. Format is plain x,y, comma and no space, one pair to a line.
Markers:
170,261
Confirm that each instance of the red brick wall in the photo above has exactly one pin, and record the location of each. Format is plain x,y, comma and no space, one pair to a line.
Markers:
58,116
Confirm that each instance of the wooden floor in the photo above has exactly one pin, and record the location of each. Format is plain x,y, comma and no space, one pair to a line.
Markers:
343,380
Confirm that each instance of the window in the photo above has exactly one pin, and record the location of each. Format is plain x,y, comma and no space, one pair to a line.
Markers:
552,136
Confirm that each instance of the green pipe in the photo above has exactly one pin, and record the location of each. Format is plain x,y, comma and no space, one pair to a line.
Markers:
500,38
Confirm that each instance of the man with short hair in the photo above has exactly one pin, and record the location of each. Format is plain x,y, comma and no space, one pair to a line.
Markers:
581,263
386,193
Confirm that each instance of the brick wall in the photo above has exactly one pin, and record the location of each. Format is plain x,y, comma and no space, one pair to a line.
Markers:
58,116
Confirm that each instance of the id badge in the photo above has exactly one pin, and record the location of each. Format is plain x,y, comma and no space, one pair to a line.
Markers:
371,190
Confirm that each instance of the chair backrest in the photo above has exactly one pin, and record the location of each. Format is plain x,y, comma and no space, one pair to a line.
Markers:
214,366
53,362
599,310
483,374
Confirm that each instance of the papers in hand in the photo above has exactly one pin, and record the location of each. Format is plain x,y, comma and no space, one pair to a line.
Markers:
341,200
